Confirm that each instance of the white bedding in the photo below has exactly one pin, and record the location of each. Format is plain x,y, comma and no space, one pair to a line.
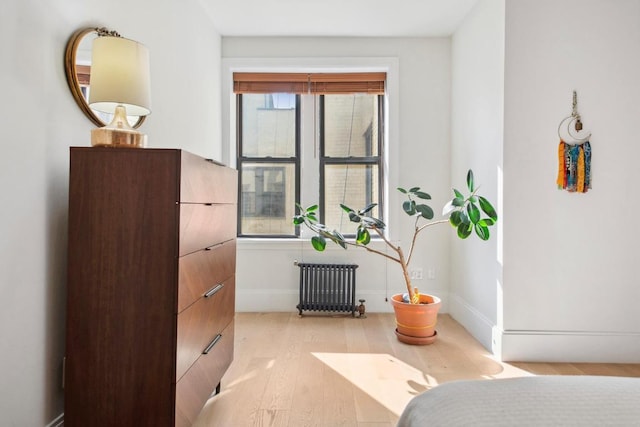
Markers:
528,401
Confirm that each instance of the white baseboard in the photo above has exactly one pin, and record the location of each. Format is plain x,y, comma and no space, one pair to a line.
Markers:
570,347
546,346
476,323
57,421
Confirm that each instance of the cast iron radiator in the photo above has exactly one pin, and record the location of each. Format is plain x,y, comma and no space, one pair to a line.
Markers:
327,287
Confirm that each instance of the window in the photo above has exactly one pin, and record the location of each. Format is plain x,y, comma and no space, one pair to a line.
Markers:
268,147
348,115
350,164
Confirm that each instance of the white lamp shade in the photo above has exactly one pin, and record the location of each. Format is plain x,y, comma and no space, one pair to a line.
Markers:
119,76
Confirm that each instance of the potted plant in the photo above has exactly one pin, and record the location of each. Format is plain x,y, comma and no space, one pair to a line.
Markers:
415,312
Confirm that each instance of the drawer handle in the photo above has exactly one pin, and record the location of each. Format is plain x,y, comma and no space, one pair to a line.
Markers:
211,344
213,290
208,248
215,162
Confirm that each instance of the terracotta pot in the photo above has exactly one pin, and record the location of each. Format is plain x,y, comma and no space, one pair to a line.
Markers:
416,322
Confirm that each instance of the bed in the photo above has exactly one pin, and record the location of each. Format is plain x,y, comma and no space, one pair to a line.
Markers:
528,401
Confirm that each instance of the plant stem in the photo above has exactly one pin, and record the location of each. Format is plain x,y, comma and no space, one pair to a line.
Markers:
418,230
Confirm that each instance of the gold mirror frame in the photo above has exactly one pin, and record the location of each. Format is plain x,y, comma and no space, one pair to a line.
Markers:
72,75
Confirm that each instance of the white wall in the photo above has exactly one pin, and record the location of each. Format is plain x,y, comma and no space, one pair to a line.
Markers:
570,280
39,122
419,154
476,139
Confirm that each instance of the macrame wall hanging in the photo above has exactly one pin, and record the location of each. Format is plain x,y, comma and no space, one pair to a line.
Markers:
574,153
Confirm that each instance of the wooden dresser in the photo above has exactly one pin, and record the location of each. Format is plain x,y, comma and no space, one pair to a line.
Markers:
151,285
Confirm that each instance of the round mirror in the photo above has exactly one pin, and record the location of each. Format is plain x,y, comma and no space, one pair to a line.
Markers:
77,66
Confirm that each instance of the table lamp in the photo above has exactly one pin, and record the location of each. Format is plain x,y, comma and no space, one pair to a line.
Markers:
119,86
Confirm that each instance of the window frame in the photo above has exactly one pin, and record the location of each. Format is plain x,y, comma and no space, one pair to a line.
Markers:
353,160
240,160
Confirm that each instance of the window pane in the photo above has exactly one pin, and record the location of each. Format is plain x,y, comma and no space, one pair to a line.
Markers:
351,125
267,198
353,185
269,125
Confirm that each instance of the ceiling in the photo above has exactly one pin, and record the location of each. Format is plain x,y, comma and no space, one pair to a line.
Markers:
337,18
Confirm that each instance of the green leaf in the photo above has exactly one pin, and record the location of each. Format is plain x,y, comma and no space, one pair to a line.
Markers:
312,217
487,222
402,190
409,206
425,211
423,195
474,213
458,194
339,239
298,219
363,237
312,208
464,219
482,231
458,201
456,218
371,222
319,243
367,209
346,208
470,180
381,225
488,208
414,189
464,230
353,217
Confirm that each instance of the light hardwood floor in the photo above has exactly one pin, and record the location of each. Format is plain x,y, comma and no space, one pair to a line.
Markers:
330,371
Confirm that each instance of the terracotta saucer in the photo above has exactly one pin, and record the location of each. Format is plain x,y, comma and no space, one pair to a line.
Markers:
408,339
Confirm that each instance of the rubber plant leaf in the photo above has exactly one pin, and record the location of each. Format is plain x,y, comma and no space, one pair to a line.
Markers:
470,180
425,211
464,230
474,213
456,218
367,209
346,208
363,237
409,206
319,243
339,239
482,231
488,208
353,217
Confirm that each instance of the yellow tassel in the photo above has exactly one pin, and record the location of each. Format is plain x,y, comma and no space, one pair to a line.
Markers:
416,296
580,183
561,168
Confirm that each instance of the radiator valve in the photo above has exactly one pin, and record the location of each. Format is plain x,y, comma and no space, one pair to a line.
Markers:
361,309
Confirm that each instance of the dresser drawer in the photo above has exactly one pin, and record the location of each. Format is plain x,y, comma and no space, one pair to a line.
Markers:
195,387
202,181
202,226
201,322
201,271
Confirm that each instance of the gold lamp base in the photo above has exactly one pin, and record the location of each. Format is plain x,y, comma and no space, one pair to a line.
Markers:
109,137
118,133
